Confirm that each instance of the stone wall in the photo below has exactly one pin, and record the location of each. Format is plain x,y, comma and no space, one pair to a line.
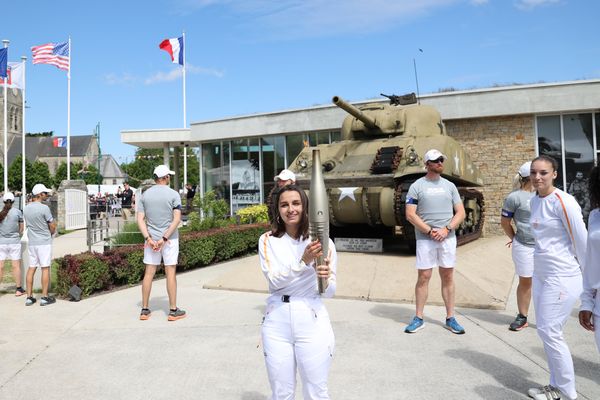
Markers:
498,147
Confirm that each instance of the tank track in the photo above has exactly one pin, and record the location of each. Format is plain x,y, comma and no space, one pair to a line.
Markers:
470,229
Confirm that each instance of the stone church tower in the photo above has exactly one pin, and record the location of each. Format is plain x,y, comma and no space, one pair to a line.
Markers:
15,117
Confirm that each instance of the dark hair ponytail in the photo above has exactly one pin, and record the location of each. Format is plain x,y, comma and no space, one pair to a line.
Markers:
5,210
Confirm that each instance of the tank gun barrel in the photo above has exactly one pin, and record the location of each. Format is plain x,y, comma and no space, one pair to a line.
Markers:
355,112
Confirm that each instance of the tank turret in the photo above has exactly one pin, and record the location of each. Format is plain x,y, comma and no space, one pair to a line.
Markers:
380,154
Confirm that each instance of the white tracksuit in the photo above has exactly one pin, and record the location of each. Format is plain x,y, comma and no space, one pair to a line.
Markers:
298,332
591,273
561,236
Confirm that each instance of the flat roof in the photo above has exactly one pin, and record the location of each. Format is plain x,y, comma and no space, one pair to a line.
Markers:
540,98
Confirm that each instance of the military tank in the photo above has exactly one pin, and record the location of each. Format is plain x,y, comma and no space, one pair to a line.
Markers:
380,154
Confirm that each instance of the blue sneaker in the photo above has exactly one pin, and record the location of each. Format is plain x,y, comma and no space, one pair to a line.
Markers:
453,326
416,324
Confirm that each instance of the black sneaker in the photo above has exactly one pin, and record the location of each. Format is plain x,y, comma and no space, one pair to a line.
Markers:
30,301
44,301
176,314
145,314
519,323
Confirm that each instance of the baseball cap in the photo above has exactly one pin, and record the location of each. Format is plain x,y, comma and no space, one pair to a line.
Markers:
162,170
286,175
525,170
434,154
40,188
8,196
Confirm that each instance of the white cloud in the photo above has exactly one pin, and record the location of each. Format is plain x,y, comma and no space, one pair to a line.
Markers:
177,72
531,4
316,18
479,2
125,79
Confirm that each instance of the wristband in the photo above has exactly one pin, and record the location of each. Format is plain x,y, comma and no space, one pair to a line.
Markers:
165,239
146,238
448,228
430,230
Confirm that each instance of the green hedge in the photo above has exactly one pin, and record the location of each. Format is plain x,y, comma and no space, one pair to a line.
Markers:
94,272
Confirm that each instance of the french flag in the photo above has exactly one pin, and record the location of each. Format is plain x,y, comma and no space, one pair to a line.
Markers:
175,48
59,142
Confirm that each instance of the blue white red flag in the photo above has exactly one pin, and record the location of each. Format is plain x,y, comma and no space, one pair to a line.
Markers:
4,62
175,48
53,54
59,142
15,78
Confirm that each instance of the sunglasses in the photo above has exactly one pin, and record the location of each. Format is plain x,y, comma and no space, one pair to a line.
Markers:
437,161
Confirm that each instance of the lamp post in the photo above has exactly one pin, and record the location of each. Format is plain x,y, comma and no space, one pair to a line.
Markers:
97,132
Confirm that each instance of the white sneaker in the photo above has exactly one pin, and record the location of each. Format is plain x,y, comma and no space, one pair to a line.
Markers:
547,393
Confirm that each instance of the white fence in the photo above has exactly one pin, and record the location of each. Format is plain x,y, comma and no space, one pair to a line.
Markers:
76,209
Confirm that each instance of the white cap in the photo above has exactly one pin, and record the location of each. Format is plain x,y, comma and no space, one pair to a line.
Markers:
525,170
162,170
286,175
434,154
8,196
40,188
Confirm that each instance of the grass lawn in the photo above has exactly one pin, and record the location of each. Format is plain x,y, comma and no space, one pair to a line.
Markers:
7,279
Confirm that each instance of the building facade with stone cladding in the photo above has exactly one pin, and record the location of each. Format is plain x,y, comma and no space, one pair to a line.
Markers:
498,146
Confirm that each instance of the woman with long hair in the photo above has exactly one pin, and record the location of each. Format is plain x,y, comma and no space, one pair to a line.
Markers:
296,331
11,228
560,246
589,314
517,208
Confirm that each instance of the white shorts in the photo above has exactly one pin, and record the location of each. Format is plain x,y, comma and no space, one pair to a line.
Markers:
168,253
431,253
10,251
40,255
522,258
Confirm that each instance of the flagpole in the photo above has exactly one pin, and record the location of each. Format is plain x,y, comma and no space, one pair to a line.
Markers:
184,117
69,115
6,42
23,156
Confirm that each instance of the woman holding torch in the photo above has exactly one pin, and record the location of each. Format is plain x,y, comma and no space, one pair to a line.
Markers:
296,331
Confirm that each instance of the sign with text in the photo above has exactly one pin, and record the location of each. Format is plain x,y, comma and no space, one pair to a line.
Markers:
359,245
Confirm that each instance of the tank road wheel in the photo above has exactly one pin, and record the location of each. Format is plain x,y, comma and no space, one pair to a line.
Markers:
408,230
472,227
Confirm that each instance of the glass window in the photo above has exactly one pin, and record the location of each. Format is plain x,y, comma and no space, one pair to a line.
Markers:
579,156
336,136
598,132
273,150
245,173
215,169
317,138
294,145
549,142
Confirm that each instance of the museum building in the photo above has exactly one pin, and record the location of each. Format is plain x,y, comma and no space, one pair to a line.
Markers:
500,127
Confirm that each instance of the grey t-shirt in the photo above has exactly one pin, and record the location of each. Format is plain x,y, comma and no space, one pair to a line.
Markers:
516,206
158,203
37,216
9,227
435,201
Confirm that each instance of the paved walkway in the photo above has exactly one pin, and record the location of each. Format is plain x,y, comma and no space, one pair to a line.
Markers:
98,349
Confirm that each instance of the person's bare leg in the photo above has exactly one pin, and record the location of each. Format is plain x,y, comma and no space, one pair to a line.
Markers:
29,280
16,271
524,295
45,281
147,284
170,272
422,290
447,277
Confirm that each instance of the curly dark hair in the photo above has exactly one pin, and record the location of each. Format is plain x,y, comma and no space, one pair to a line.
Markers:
277,224
594,187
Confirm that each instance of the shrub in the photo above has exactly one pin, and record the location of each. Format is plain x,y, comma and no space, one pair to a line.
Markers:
124,265
253,214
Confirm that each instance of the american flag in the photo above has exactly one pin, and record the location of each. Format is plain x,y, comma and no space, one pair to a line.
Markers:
53,54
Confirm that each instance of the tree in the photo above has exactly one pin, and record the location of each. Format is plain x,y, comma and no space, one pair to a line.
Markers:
39,174
147,159
15,174
88,173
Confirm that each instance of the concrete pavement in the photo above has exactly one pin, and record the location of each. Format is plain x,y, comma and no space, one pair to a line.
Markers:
98,349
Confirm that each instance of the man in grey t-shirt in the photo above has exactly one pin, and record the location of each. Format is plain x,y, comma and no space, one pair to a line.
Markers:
434,207
158,216
40,228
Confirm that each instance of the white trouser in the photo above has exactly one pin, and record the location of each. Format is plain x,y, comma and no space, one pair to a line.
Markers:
597,330
299,334
553,299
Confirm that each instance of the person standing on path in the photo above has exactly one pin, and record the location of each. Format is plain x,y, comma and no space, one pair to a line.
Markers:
159,214
296,330
40,228
589,314
560,246
434,207
11,229
517,208
126,197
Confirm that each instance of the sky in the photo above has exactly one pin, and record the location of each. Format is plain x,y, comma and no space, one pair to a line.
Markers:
253,56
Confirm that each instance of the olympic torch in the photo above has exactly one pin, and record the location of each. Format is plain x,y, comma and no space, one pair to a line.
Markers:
318,212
